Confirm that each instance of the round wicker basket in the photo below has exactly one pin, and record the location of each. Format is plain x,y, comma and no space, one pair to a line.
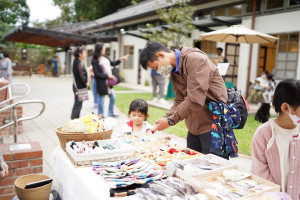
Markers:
79,137
39,193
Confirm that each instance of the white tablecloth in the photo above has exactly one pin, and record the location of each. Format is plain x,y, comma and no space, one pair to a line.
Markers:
76,183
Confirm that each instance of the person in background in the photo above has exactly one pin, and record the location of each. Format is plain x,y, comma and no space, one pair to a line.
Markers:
102,72
137,126
3,167
94,87
6,67
276,144
55,65
80,79
158,80
93,81
269,92
195,79
219,58
260,85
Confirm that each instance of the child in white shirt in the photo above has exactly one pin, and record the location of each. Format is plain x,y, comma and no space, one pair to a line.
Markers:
137,126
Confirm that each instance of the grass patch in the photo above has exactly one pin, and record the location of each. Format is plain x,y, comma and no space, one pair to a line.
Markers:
244,136
121,88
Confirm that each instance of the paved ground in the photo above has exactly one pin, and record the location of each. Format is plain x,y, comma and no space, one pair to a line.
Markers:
58,96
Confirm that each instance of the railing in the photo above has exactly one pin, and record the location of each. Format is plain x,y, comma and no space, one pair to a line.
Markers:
11,97
13,108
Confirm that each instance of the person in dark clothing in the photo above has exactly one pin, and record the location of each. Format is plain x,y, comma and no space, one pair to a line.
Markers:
102,73
80,79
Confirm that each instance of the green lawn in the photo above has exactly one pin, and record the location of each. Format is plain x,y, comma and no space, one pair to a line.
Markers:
120,88
244,136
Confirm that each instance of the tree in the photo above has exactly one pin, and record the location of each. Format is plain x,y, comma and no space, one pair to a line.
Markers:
14,12
178,24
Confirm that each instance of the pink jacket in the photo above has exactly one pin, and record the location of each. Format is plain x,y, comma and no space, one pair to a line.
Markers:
266,162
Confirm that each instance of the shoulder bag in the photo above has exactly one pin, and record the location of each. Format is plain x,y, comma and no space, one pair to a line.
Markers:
81,93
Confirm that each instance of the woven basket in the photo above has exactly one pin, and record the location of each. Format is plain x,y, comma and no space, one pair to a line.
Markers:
39,193
79,136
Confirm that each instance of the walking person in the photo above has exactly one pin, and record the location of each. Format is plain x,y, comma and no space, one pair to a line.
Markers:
158,80
80,79
6,67
195,80
102,72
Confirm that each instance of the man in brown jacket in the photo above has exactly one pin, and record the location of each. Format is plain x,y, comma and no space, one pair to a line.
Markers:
196,80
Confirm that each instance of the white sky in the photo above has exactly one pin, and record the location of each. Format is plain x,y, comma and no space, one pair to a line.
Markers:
42,10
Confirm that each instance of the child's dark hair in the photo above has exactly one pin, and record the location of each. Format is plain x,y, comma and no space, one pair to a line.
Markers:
287,91
139,105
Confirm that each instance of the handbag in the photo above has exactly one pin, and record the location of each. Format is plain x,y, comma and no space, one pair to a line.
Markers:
115,71
82,94
112,82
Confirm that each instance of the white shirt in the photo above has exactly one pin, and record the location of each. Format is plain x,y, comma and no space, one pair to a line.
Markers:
107,68
106,64
263,82
126,129
283,138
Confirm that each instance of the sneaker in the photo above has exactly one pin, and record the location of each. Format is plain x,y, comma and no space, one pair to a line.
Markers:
162,101
155,100
114,116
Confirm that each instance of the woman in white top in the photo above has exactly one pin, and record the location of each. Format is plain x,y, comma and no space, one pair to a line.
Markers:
102,72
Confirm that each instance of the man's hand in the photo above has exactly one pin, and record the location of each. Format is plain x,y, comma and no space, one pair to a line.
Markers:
4,172
124,58
160,124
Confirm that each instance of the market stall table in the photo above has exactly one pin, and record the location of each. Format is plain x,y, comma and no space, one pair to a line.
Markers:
76,183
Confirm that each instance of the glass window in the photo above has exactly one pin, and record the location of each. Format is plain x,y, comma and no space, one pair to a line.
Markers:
208,47
249,6
286,60
294,2
128,50
235,10
271,4
220,12
107,51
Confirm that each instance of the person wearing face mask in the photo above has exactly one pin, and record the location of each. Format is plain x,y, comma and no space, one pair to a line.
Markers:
196,80
276,143
261,84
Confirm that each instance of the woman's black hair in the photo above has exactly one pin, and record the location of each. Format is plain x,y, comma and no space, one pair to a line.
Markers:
98,49
78,51
5,54
139,105
265,72
287,91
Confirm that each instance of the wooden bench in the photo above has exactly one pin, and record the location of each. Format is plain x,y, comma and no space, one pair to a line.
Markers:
22,70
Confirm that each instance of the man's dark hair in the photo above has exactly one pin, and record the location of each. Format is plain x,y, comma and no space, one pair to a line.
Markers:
220,49
149,53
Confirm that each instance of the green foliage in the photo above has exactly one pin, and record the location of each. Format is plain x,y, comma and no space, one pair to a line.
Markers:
68,13
178,20
14,12
88,10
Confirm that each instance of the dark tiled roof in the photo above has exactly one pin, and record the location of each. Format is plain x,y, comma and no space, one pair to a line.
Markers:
134,11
